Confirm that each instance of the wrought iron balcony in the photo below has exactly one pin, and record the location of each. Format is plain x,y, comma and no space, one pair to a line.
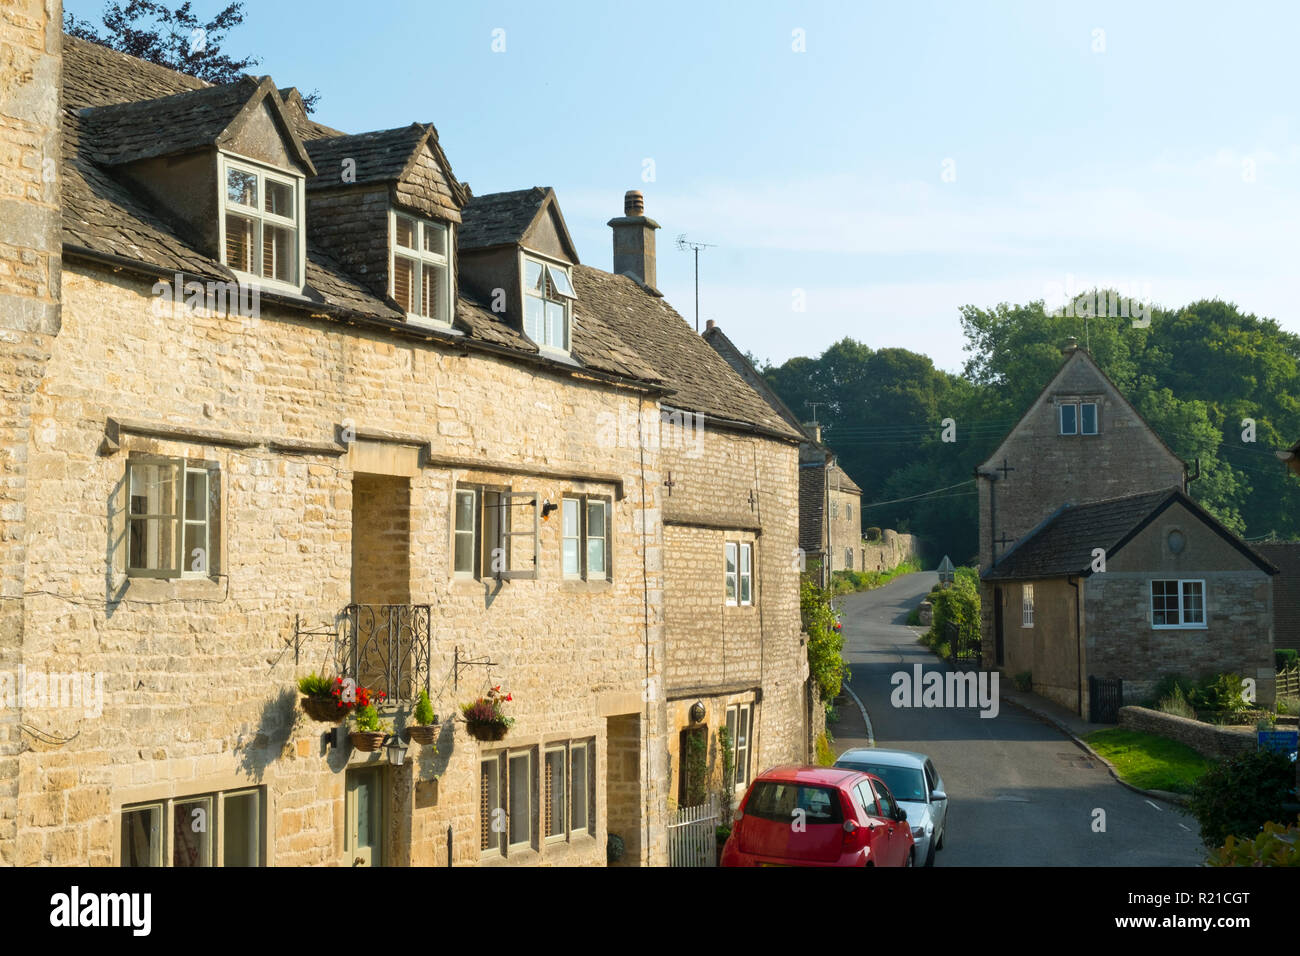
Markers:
386,647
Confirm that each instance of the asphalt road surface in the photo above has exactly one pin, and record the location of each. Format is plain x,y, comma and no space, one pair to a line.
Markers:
1020,792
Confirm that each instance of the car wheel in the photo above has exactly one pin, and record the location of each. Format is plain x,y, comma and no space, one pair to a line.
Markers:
929,854
911,857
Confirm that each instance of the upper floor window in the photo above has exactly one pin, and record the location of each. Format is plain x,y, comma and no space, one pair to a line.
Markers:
585,538
422,268
548,304
738,574
172,517
495,532
1078,418
261,223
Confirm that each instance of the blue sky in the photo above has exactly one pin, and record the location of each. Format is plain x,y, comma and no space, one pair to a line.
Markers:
1160,154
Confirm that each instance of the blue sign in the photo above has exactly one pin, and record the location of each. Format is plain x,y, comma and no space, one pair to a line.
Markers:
1285,742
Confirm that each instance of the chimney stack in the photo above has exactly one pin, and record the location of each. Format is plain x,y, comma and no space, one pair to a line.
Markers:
814,429
708,325
634,241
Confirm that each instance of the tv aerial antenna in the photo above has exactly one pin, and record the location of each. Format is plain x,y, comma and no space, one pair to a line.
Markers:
685,244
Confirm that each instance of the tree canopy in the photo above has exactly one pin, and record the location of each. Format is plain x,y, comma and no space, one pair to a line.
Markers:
174,38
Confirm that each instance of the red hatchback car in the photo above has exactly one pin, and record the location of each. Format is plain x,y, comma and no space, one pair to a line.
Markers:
818,816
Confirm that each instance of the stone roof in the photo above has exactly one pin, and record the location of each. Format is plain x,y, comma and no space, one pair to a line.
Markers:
841,481
498,219
1063,543
620,329
701,379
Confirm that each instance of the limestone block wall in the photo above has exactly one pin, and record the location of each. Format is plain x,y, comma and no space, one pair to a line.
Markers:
1209,740
720,654
198,674
890,551
31,38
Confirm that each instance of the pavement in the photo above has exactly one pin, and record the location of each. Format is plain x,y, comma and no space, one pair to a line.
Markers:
1024,790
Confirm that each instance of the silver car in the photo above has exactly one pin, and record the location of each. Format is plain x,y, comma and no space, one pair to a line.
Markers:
916,785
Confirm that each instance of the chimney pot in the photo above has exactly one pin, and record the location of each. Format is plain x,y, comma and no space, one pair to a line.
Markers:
633,203
708,324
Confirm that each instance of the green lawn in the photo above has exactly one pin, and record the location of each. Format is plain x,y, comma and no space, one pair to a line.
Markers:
1149,761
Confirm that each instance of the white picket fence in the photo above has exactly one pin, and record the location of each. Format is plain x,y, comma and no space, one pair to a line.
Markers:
692,839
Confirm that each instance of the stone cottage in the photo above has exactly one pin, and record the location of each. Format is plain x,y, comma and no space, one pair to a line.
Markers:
1095,563
281,399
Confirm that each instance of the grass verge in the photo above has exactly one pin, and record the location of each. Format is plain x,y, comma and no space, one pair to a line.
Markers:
1149,761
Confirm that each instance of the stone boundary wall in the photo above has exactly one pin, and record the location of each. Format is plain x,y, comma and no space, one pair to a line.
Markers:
1208,740
889,552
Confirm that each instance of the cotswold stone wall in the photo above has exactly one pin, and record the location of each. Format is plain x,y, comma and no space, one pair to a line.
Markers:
198,674
890,551
1208,740
31,39
743,488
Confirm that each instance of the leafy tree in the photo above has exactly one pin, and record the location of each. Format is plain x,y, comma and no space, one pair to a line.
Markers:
174,38
1239,795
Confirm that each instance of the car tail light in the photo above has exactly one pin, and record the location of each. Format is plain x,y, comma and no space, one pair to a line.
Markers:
855,836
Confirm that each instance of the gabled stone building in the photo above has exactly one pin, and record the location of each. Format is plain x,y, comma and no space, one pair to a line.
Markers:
1094,562
286,399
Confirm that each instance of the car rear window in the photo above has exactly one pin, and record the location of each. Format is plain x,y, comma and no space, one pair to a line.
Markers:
772,800
905,783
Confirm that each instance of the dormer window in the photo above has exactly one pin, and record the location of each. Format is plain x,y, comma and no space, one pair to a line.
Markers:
261,224
548,297
421,270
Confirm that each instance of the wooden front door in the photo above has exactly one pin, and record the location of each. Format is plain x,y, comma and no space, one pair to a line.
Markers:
365,817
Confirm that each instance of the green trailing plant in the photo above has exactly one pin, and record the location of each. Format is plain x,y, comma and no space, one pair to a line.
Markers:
1288,705
1275,845
1285,657
696,766
423,713
314,685
1024,681
726,744
826,662
824,746
367,720
1237,796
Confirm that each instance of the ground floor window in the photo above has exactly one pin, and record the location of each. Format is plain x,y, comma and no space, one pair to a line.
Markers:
223,828
506,801
1178,603
739,726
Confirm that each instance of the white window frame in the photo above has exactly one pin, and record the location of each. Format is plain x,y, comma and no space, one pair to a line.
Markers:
178,520
1027,605
298,222
1060,418
731,578
496,776
1096,418
745,575
502,531
589,787
422,259
550,294
456,533
584,504
163,854
530,755
739,754
1183,624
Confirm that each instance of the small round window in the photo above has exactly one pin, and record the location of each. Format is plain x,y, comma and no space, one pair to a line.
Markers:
1176,542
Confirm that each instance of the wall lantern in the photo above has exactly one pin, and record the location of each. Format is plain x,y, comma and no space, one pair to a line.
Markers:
396,750
697,711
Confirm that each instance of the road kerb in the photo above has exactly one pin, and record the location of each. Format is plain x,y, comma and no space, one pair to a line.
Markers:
1177,799
866,719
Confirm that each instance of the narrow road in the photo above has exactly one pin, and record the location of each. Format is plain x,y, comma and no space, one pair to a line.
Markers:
1020,792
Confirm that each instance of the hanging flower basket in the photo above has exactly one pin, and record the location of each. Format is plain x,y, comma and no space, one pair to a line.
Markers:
485,718
423,734
367,741
492,731
324,709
